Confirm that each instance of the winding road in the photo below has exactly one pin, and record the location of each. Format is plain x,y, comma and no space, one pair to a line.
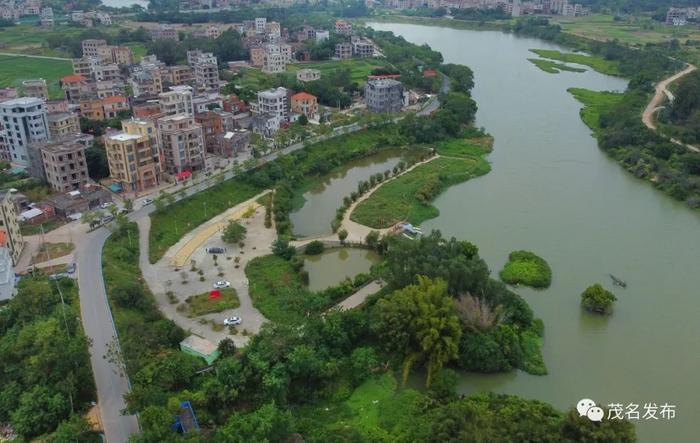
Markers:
661,91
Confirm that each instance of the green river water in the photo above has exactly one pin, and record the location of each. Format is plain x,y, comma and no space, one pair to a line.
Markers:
552,191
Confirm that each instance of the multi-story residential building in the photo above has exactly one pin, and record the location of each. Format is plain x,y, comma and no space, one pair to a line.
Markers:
7,271
24,121
343,51
64,164
10,226
119,55
205,67
75,87
146,82
676,17
308,75
306,33
134,156
230,143
105,108
95,68
305,104
63,123
273,30
182,143
362,48
177,101
207,32
164,32
177,75
384,95
271,111
104,18
257,56
59,105
92,46
8,93
35,88
46,17
321,35
343,27
204,102
260,24
273,61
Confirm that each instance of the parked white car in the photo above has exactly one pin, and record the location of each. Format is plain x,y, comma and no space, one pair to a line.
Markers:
232,321
221,284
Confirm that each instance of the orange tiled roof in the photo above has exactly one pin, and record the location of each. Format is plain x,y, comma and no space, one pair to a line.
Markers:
114,99
303,96
73,78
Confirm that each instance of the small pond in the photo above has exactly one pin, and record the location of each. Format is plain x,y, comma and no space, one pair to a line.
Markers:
334,265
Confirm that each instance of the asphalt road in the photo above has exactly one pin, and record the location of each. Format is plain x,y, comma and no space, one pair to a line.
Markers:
110,380
112,383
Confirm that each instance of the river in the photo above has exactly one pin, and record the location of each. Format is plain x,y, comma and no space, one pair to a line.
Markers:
552,191
124,3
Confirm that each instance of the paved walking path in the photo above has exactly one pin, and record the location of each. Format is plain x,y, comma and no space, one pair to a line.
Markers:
361,295
10,54
660,92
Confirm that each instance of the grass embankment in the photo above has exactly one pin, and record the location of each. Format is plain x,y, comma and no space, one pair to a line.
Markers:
172,223
595,102
594,61
408,197
34,229
145,335
553,67
203,304
15,69
528,269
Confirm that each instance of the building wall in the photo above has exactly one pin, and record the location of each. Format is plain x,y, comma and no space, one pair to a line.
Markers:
9,223
24,120
65,166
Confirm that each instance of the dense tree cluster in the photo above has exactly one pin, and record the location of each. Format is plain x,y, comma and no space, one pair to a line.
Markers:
44,361
73,43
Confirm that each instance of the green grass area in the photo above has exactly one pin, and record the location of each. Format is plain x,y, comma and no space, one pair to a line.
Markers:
276,289
465,147
172,223
526,268
254,79
15,69
49,251
34,229
23,36
596,62
553,67
359,68
631,30
408,196
594,103
202,304
139,50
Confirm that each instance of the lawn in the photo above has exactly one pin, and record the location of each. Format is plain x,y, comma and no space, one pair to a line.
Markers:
632,30
553,67
22,36
172,223
359,68
34,229
465,147
202,304
596,62
276,289
595,102
254,79
139,50
408,196
15,69
528,269
280,293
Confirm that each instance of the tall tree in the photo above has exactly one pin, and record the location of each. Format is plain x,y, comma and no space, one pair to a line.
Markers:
420,323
